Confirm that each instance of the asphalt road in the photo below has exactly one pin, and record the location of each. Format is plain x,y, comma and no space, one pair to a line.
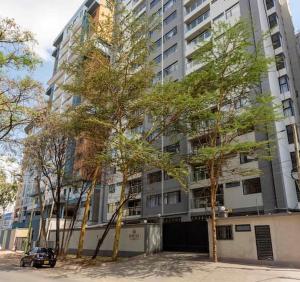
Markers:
157,268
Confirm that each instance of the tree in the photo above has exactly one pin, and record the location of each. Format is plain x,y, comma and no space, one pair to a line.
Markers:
47,152
113,87
8,191
16,93
223,101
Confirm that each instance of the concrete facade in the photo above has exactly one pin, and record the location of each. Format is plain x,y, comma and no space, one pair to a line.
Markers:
284,229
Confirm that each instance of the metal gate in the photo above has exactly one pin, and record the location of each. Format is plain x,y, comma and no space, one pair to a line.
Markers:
263,242
186,236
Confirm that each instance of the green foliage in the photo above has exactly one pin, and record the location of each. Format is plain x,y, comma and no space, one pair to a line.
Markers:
16,94
8,191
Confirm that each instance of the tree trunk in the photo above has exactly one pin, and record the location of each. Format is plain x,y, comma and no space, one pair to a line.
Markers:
57,222
108,226
42,234
213,222
86,213
119,220
65,224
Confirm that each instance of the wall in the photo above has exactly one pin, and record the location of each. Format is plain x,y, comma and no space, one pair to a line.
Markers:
8,237
135,239
285,230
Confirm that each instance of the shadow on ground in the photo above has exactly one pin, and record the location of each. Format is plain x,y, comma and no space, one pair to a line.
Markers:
159,265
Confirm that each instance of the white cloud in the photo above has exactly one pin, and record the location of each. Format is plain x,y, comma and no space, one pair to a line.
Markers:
45,18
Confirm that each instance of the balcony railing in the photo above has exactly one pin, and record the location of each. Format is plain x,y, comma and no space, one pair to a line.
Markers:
204,202
194,6
198,20
132,211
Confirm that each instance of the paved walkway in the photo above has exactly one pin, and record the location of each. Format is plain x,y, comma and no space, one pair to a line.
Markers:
165,267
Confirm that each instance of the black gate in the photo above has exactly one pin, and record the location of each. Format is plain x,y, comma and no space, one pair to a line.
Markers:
186,236
263,242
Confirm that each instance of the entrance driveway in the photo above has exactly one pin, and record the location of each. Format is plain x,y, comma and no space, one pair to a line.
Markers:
165,267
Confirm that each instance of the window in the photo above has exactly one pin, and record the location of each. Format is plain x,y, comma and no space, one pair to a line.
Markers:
219,18
135,186
288,109
232,184
198,20
200,38
154,177
157,78
284,84
270,4
112,188
243,228
290,134
172,219
194,5
169,5
273,20
251,186
170,34
200,173
172,198
153,3
157,44
280,61
174,148
276,40
294,161
245,158
157,60
170,18
111,208
233,12
157,14
170,51
153,201
224,232
170,69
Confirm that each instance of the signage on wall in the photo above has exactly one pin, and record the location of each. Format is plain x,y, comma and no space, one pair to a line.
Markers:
134,235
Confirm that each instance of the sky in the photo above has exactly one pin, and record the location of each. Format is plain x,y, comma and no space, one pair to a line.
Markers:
47,18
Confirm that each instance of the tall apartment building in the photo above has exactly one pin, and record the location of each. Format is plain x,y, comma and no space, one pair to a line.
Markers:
184,24
59,101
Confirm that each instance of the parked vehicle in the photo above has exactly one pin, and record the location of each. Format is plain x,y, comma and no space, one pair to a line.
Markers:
38,257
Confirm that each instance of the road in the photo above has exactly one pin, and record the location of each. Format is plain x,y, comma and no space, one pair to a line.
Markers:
157,268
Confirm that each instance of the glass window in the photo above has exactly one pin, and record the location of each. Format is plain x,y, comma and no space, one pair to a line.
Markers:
245,158
251,186
112,188
153,201
232,184
284,84
276,40
288,109
198,20
172,198
153,3
243,228
200,173
174,148
280,61
200,38
290,134
169,5
157,60
219,18
170,18
194,5
170,69
170,34
273,20
270,4
233,12
170,51
154,177
224,232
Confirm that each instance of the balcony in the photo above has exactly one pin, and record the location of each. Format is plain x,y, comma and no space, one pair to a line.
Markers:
204,202
133,211
192,66
194,8
194,44
202,22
